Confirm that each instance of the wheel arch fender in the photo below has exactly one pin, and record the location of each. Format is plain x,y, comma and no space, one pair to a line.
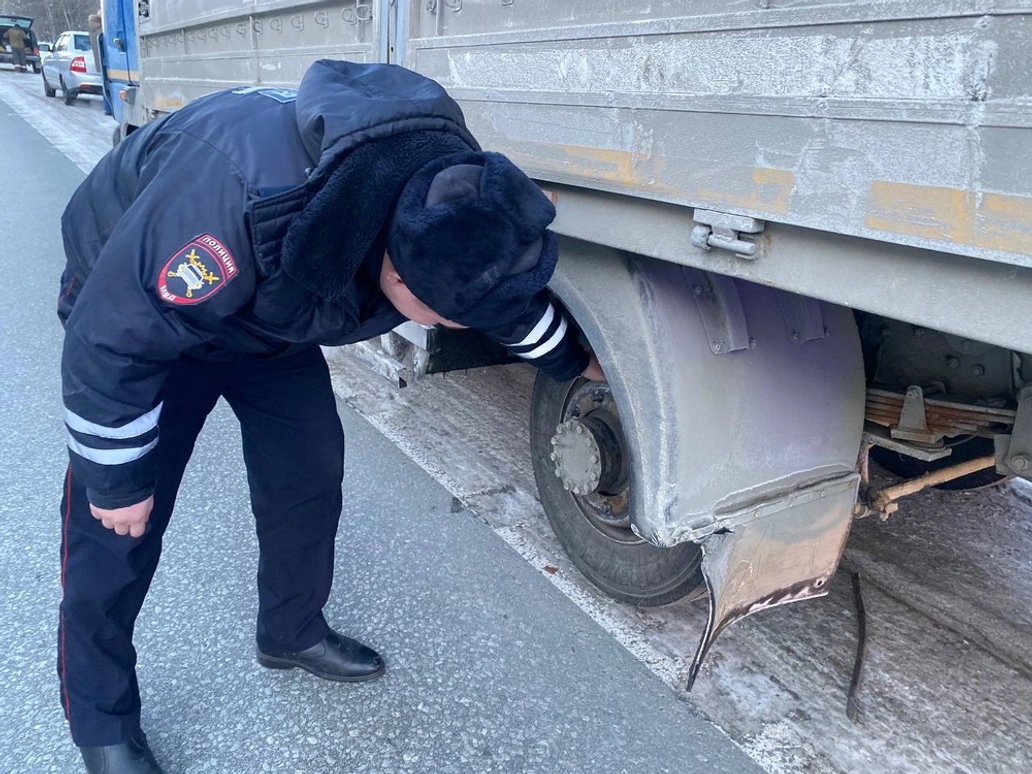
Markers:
731,393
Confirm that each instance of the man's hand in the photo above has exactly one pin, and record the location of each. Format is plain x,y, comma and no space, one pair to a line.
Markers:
594,370
131,520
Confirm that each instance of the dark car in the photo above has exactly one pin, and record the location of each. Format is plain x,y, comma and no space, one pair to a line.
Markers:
32,45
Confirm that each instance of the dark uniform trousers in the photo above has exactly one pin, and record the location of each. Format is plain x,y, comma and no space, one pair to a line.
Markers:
293,448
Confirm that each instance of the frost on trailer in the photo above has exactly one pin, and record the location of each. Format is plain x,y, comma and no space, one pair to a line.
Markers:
193,47
794,233
889,121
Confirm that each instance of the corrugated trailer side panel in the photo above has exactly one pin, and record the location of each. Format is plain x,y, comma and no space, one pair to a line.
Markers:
901,121
190,48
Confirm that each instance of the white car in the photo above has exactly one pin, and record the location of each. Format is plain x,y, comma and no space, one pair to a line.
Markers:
70,67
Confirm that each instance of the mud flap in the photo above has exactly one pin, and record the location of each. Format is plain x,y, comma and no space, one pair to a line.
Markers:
774,553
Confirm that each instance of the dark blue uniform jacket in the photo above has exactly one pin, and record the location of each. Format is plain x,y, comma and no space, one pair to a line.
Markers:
247,224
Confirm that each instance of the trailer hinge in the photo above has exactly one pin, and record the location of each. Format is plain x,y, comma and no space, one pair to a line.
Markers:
724,230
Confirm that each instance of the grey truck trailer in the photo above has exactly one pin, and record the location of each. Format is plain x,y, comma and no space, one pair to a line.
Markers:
795,232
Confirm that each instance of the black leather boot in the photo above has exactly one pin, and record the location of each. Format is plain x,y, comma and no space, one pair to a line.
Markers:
335,658
132,757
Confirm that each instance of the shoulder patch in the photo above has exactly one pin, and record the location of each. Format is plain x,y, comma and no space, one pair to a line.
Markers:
196,271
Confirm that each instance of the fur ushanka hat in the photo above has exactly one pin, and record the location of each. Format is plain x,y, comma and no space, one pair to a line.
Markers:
469,238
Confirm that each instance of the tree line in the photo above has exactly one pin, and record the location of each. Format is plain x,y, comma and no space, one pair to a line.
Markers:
52,17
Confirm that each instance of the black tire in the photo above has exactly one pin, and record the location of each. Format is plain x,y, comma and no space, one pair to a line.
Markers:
47,89
619,563
37,68
967,449
69,95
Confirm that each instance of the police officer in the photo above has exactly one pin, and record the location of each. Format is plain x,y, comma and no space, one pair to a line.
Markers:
208,256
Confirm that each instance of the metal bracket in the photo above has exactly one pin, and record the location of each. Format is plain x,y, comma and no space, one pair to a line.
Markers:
876,435
721,309
804,317
410,352
913,424
1014,452
723,230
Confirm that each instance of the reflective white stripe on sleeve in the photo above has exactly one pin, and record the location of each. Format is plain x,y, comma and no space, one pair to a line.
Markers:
549,345
538,330
109,456
138,426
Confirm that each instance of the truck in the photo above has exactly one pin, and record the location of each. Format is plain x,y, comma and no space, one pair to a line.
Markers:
798,235
119,54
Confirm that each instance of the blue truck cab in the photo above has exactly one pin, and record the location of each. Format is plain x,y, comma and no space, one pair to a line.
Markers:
121,63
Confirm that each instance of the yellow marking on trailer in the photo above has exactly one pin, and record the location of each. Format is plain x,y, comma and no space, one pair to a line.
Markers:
1005,222
168,103
768,193
123,75
767,189
991,220
626,168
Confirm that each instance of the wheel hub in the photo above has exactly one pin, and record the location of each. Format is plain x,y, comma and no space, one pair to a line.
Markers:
587,456
577,457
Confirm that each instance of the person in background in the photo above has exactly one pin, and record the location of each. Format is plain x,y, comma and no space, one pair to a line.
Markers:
16,38
95,26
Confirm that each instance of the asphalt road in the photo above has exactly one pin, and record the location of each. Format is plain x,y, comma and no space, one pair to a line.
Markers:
491,668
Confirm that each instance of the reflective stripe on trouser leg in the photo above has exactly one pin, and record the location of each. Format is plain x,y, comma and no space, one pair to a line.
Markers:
105,577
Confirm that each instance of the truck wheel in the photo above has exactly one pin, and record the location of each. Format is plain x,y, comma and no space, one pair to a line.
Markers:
49,90
963,450
582,473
